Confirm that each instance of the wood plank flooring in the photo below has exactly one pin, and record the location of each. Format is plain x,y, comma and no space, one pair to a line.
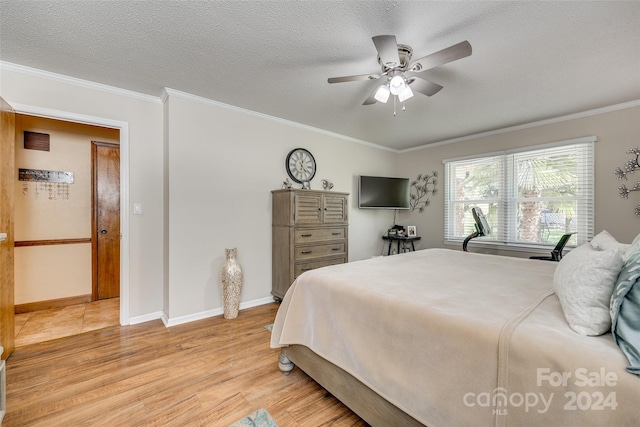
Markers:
211,372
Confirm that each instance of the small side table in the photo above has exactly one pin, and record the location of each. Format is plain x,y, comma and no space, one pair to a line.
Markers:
401,240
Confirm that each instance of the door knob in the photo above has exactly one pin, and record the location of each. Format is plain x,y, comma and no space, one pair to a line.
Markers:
103,231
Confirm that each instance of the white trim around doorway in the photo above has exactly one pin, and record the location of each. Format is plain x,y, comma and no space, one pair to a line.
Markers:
124,184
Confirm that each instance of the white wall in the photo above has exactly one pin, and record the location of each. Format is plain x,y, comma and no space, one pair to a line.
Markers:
222,165
616,130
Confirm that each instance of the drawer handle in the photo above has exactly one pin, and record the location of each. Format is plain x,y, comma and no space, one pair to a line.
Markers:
306,252
306,235
305,269
335,249
336,234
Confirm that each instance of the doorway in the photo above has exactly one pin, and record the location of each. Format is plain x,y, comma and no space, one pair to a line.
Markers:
123,128
57,232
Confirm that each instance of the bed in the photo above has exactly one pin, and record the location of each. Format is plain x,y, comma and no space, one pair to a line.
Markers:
440,337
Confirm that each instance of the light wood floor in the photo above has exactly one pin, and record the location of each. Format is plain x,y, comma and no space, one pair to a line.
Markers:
53,323
206,373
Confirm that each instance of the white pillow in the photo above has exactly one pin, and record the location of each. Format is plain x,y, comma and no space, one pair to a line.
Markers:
584,281
604,241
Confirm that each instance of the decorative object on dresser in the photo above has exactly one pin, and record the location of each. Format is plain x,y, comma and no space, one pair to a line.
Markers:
326,184
286,184
231,282
310,230
424,185
630,167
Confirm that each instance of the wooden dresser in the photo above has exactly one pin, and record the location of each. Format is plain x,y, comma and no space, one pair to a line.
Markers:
310,229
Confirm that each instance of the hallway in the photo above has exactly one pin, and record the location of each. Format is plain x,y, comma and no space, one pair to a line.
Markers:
45,325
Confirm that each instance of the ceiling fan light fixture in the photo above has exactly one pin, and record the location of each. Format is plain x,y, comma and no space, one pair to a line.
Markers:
397,84
405,94
382,94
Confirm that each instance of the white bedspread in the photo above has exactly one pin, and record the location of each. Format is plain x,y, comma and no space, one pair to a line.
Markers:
423,330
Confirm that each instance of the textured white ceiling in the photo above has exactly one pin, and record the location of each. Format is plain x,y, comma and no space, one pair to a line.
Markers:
531,60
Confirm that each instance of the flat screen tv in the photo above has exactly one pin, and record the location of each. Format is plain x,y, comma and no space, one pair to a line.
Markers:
379,192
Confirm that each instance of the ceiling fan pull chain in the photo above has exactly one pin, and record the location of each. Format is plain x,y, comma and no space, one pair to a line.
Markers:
403,109
394,105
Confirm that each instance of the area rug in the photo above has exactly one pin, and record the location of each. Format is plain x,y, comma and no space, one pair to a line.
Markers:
260,418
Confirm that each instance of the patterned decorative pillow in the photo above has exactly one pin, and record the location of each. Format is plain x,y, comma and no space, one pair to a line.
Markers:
635,246
583,281
625,310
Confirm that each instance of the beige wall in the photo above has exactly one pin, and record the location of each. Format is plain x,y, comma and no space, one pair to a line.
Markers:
58,271
616,131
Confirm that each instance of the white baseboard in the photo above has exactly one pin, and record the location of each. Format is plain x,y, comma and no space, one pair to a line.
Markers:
256,302
168,322
146,318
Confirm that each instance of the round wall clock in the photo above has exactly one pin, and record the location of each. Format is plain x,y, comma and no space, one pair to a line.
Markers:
300,165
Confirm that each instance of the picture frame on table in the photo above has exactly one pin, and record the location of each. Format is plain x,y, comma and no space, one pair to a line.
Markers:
411,231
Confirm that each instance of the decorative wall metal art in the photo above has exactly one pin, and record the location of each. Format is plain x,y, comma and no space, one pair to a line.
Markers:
629,167
53,183
421,188
38,175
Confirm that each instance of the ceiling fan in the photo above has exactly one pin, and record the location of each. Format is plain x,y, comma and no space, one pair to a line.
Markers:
397,69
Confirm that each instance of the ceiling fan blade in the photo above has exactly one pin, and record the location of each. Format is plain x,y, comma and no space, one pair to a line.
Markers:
353,78
387,50
372,98
423,86
452,53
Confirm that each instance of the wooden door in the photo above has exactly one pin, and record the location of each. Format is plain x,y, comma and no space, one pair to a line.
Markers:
7,190
106,220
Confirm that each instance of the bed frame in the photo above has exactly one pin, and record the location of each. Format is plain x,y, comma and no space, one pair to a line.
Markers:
369,405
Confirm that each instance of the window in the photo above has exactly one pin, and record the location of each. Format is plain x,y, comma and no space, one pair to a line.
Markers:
531,197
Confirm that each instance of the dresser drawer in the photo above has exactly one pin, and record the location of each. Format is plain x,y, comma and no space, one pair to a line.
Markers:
306,266
319,234
315,251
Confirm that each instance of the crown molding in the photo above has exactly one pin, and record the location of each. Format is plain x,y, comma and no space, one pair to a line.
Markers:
583,114
8,66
